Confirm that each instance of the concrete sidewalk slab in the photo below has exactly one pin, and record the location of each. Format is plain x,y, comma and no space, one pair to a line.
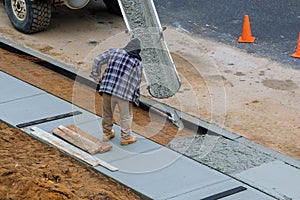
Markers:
150,161
12,89
38,107
181,176
277,178
23,103
209,191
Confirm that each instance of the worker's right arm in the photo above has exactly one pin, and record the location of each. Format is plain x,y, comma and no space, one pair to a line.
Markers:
99,61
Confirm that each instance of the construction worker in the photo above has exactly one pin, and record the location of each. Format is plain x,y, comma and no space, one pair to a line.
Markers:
119,85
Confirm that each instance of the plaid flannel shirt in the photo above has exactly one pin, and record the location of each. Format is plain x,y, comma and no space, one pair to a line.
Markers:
122,76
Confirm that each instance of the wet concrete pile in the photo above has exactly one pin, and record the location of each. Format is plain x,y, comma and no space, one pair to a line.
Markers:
225,155
142,22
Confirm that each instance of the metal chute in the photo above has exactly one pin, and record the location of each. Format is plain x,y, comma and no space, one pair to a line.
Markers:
142,22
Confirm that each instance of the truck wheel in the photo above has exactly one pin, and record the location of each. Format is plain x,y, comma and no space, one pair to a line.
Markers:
29,16
113,6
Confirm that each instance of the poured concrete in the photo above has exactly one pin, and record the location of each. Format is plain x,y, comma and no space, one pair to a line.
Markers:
181,176
38,107
208,191
13,89
225,155
276,178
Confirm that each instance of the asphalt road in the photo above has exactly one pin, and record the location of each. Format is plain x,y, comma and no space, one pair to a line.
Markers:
274,23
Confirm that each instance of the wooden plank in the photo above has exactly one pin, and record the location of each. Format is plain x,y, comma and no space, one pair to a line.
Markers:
64,146
69,149
83,133
82,140
75,139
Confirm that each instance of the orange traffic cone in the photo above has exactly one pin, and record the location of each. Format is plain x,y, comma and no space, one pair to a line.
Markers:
297,53
246,32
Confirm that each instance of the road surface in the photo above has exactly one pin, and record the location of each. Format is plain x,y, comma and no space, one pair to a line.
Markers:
274,23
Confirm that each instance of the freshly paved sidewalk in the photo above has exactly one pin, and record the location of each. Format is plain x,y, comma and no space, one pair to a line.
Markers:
147,167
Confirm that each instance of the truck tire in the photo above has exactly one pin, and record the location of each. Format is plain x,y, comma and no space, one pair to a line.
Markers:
29,16
113,6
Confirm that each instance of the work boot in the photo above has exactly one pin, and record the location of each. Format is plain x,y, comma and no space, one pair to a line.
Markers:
130,140
106,138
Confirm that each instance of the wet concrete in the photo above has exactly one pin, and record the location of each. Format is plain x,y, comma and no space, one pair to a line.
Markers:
227,156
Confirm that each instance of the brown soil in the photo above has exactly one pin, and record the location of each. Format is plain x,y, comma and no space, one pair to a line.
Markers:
32,170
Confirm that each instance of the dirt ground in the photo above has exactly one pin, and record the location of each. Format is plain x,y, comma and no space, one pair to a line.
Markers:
32,170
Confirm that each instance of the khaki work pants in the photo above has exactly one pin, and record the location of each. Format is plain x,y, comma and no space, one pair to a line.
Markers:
109,103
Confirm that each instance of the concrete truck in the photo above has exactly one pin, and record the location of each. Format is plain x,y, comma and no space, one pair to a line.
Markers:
30,16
